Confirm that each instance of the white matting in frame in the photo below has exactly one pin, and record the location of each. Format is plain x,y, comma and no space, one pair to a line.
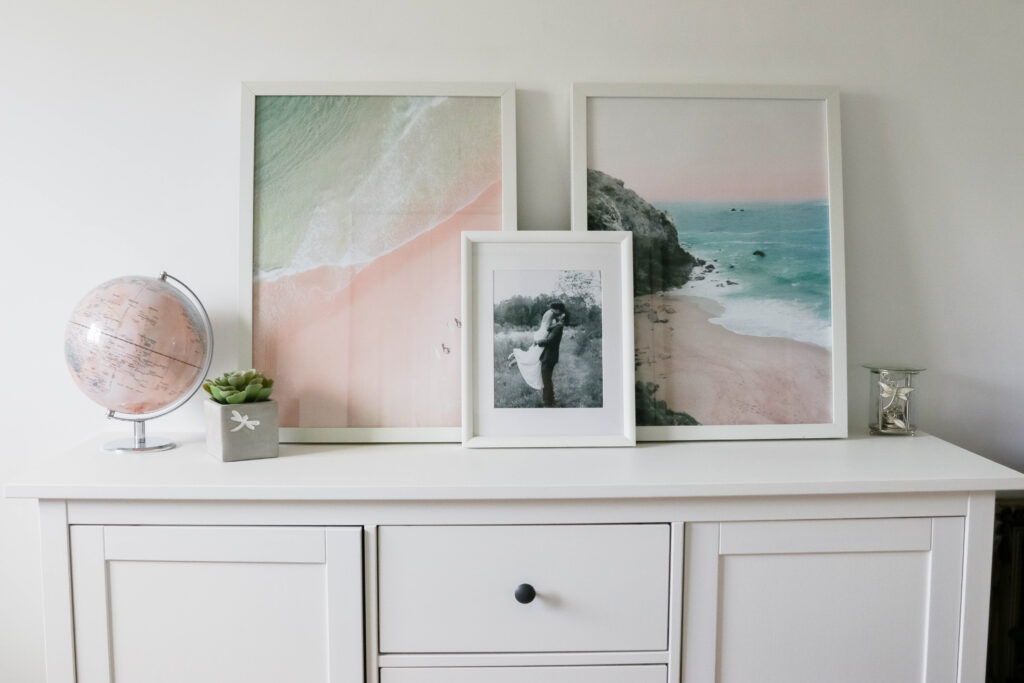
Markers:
525,293
352,199
739,321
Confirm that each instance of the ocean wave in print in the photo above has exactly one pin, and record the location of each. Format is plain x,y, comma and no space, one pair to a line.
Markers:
342,180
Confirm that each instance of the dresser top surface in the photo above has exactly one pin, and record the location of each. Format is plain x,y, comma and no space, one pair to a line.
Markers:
449,472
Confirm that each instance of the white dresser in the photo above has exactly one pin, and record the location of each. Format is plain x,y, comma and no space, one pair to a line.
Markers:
858,560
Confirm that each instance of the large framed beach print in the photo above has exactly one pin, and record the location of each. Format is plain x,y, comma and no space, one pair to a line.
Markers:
548,339
734,199
353,199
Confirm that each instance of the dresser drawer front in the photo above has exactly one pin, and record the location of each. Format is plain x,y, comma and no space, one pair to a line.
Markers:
453,589
653,673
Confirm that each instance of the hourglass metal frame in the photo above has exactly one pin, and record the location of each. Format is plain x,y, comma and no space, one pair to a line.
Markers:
891,401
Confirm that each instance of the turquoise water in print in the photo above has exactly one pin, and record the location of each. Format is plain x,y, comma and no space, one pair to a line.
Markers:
342,180
786,292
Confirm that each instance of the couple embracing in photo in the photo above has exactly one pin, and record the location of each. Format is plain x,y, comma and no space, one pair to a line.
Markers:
537,363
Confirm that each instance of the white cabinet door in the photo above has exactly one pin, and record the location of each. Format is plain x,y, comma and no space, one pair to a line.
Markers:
217,604
843,601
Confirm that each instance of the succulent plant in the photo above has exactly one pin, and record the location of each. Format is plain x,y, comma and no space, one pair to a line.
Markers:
247,386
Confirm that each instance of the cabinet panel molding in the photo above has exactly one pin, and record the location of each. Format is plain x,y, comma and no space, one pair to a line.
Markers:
826,536
214,544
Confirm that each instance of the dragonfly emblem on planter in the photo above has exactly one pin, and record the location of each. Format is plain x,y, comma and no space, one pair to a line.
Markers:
243,421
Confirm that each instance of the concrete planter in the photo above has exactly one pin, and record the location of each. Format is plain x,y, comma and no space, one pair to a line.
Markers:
246,431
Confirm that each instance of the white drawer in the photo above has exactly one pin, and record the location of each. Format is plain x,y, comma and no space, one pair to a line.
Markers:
653,673
453,588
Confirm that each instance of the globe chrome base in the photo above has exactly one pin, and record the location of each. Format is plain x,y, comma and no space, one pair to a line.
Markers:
149,445
139,443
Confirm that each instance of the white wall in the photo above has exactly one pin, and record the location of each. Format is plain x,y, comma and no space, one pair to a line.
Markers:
119,128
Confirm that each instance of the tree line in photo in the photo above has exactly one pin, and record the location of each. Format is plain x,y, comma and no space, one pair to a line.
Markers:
525,311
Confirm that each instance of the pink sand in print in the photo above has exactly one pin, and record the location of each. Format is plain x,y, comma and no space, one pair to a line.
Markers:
359,202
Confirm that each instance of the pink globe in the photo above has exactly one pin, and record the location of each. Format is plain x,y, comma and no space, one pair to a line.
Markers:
136,345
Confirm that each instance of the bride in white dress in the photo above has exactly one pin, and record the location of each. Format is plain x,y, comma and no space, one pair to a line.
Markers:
528,360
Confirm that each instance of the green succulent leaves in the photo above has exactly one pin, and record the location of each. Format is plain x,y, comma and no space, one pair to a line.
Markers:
249,386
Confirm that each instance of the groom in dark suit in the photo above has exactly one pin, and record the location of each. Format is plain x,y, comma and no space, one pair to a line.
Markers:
549,356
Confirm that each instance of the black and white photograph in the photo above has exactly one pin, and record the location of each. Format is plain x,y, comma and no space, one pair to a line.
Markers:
547,339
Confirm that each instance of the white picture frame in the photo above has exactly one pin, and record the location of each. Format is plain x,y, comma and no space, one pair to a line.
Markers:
604,126
491,258
504,94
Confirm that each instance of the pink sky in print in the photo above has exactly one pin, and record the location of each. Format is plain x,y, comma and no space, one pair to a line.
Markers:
711,150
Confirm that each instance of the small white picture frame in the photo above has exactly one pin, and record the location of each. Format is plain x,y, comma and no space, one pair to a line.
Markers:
524,294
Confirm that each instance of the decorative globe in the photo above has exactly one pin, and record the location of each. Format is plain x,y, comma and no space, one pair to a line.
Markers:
138,346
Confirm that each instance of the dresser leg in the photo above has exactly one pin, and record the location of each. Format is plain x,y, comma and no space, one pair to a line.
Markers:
58,632
977,575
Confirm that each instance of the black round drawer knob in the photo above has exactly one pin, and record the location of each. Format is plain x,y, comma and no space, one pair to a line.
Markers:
525,593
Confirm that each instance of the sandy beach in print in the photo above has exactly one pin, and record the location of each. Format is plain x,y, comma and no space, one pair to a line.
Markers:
722,377
358,206
381,350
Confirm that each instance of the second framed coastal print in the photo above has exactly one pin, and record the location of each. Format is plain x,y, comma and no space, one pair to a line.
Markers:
353,199
734,198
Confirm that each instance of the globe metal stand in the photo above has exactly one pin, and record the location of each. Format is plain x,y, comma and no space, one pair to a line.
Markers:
140,443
